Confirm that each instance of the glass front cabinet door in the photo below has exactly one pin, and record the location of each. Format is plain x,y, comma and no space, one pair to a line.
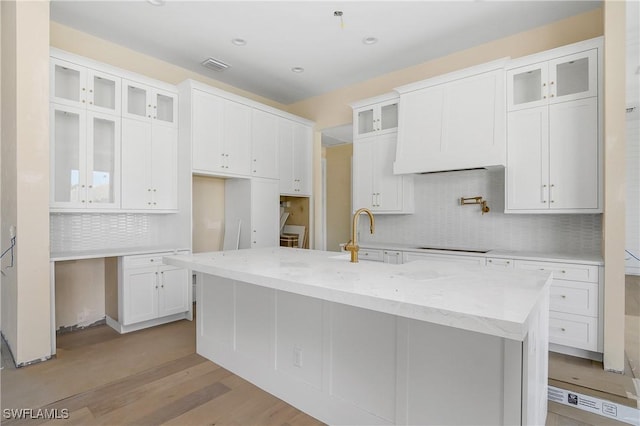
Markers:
85,153
566,78
77,86
148,103
376,119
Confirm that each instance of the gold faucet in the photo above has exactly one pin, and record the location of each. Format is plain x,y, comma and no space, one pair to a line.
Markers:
352,245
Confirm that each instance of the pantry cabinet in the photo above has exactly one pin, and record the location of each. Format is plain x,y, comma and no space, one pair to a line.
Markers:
253,206
264,144
295,143
85,159
144,102
149,166
221,132
79,86
148,290
452,122
554,134
374,184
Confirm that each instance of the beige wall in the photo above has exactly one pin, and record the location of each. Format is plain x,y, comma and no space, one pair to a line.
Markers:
26,299
79,283
614,183
338,195
208,214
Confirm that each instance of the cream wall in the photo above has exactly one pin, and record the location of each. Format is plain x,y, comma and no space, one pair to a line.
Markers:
26,314
338,195
614,183
208,214
80,283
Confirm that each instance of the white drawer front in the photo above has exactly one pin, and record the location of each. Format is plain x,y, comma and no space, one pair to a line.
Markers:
496,262
469,260
144,260
370,254
573,330
562,271
574,297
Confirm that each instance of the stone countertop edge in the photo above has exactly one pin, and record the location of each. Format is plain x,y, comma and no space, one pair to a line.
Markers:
432,299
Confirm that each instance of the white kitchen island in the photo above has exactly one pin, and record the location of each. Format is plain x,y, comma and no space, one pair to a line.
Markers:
372,343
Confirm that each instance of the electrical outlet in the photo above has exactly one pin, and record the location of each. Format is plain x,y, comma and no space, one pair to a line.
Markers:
297,357
12,231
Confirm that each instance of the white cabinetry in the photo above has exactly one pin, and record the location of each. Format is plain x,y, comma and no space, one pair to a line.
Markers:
554,153
150,293
409,256
79,86
149,166
574,305
85,159
452,122
148,103
375,116
264,144
374,184
221,135
254,205
295,142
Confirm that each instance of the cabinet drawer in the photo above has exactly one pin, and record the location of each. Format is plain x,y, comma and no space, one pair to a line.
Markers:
496,262
143,260
573,330
562,271
469,260
574,297
371,254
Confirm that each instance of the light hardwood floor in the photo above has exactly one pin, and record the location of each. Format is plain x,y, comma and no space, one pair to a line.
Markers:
154,377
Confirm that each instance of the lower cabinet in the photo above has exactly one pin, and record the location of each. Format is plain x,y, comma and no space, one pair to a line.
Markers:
149,293
575,299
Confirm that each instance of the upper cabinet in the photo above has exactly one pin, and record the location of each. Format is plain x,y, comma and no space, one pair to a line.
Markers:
561,79
235,137
455,121
264,146
375,116
554,132
82,87
85,159
114,139
221,132
143,102
374,185
295,141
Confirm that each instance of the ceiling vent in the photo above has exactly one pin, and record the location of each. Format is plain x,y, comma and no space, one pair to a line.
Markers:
214,64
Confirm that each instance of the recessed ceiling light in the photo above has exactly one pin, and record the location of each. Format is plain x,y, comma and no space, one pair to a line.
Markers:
297,69
239,41
369,40
157,2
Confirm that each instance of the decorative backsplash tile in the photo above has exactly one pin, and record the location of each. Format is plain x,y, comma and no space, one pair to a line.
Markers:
439,219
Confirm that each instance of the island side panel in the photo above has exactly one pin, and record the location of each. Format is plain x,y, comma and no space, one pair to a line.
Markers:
347,365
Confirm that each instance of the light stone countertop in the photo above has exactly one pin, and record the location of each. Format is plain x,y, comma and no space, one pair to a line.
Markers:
485,300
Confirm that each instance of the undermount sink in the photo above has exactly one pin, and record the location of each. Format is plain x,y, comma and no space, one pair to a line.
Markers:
455,249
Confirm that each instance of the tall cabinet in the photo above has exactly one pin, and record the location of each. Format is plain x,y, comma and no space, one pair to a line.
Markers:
554,131
85,137
375,136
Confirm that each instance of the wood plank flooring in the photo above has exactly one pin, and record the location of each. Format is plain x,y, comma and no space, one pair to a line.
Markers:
154,377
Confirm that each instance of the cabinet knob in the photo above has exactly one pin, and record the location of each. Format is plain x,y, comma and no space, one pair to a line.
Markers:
544,97
551,83
562,329
149,105
563,296
83,89
254,242
90,201
149,203
544,84
149,116
83,101
154,107
155,117
83,201
154,203
154,190
552,95
151,260
490,261
90,90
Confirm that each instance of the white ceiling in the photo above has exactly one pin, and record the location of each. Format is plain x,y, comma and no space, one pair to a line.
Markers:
282,35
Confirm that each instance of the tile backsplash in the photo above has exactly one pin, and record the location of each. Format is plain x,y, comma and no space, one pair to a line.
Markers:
439,219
